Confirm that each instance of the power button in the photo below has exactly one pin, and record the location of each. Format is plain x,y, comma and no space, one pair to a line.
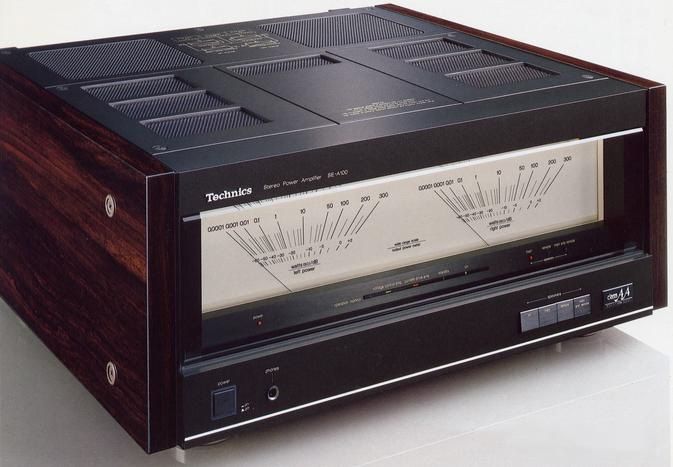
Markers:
224,402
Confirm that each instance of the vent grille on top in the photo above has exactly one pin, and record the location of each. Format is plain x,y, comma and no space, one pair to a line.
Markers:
170,105
339,30
266,68
420,49
498,76
137,89
112,59
186,125
460,61
474,67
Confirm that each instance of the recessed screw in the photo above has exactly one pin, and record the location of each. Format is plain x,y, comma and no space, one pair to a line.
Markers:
110,206
111,373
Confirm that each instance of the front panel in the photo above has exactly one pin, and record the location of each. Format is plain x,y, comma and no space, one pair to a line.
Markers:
408,274
228,394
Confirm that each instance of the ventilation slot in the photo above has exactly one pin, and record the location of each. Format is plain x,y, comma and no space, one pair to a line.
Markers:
170,105
339,30
411,50
138,89
112,59
188,125
499,76
460,62
266,68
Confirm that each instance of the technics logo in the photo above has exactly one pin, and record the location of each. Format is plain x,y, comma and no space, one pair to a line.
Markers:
618,295
228,194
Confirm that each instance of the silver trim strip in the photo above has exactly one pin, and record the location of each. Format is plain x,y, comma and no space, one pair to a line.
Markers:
413,375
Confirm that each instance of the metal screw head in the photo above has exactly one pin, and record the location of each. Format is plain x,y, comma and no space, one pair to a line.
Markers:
111,373
110,206
588,76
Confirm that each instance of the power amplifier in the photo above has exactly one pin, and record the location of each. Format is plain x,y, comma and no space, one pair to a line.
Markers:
218,227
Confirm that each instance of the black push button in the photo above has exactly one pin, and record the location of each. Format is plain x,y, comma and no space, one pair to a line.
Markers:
224,402
582,305
566,310
529,320
547,314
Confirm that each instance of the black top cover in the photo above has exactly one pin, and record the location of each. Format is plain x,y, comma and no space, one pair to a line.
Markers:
216,95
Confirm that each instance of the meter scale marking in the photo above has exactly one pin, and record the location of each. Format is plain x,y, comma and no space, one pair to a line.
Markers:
480,204
282,246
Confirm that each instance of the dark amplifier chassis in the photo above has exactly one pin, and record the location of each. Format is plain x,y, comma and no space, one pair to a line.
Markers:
111,150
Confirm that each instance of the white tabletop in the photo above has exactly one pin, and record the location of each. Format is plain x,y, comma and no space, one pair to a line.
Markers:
596,400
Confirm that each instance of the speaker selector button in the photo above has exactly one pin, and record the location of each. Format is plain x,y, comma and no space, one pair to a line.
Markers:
582,305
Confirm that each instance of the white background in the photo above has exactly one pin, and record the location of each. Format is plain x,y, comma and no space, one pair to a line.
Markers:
631,36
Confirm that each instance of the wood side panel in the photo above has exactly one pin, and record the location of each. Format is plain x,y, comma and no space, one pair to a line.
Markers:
162,286
655,138
118,147
75,276
655,135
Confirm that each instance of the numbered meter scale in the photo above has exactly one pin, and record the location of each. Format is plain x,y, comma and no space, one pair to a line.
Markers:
283,245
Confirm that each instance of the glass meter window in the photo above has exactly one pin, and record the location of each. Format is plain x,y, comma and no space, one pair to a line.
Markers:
283,245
